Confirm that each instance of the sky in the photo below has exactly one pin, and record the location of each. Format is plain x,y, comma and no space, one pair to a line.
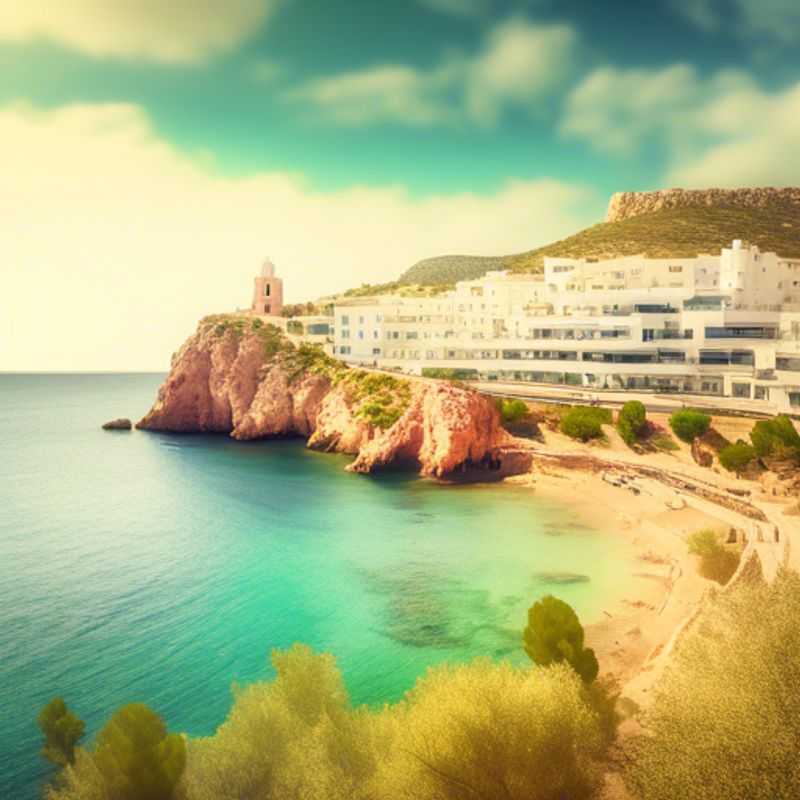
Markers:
153,154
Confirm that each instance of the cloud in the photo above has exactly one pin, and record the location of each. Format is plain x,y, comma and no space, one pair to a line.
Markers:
121,242
720,130
179,31
396,93
519,63
778,20
460,8
759,145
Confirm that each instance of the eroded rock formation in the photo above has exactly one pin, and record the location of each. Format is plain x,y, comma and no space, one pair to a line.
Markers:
624,205
238,377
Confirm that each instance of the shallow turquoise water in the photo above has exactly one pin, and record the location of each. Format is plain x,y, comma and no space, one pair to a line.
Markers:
162,568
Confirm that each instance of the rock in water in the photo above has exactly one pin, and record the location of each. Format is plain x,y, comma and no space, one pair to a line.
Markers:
121,424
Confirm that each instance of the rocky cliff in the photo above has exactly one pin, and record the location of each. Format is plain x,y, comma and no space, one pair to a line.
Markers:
240,377
624,205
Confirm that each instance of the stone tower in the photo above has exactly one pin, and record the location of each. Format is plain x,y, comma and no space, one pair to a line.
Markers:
268,291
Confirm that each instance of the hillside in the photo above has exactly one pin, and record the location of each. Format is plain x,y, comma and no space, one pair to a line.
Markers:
449,269
676,231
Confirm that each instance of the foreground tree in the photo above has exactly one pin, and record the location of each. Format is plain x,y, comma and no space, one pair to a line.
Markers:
62,730
485,730
725,722
554,634
136,756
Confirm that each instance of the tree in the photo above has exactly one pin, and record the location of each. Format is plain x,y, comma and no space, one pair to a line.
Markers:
62,730
775,437
137,758
585,422
735,457
689,423
632,421
554,634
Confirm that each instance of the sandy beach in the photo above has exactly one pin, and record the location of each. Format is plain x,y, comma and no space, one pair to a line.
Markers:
655,519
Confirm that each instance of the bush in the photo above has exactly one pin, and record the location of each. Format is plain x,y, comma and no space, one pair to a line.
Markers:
775,437
716,562
511,410
446,373
689,423
725,721
475,730
485,730
554,634
585,422
735,457
137,758
632,421
62,730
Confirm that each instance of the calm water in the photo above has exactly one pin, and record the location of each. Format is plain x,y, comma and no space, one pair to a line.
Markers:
160,568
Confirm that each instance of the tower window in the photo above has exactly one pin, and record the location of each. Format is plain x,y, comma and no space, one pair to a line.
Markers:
266,290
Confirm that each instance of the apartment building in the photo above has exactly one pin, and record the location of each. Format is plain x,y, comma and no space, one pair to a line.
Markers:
726,325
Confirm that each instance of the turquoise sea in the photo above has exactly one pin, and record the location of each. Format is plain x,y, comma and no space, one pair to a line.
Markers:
162,568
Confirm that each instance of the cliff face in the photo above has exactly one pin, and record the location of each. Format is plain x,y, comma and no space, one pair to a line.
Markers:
624,205
250,383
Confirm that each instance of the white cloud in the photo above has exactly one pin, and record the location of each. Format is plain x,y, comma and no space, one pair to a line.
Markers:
174,31
759,143
120,243
519,63
778,20
387,93
723,130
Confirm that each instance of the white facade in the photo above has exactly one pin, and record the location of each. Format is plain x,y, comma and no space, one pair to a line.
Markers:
726,325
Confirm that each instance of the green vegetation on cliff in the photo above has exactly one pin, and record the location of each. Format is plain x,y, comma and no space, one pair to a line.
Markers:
380,399
377,398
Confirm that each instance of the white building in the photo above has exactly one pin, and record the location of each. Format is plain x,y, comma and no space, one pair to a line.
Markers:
726,325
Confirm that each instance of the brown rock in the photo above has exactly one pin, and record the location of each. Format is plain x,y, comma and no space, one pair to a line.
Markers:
222,380
624,205
121,424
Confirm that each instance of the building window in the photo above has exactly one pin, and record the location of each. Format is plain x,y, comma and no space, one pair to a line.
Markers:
345,320
794,399
345,334
676,269
267,289
761,393
741,390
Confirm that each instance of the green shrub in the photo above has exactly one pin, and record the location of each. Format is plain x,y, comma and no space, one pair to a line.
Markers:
554,634
511,410
137,758
725,720
446,373
664,442
716,562
62,730
735,457
585,422
632,421
689,423
775,437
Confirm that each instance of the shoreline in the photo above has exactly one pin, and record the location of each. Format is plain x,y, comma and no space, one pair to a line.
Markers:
665,587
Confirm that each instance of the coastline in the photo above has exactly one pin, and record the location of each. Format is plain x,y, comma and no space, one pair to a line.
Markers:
664,587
